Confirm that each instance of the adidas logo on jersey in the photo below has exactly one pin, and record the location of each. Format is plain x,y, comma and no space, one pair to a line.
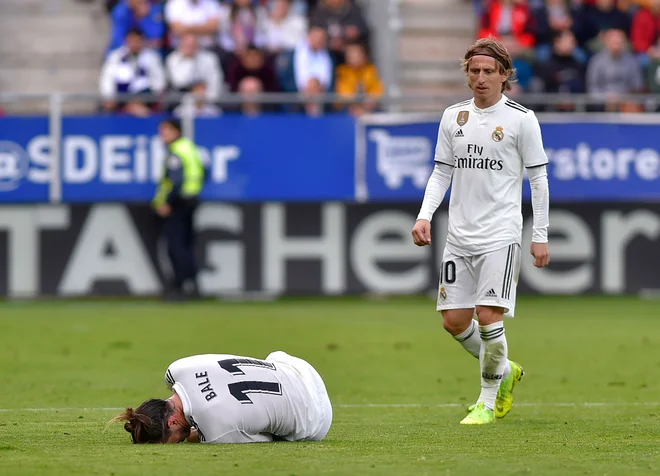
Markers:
459,133
491,293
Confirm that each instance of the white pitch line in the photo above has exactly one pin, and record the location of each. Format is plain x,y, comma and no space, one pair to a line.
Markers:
521,404
374,405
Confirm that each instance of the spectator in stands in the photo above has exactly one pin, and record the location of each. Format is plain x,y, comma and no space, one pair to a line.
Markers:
197,17
562,72
110,5
202,106
614,72
248,88
284,28
645,29
553,18
509,18
343,21
299,7
359,77
312,67
653,71
189,65
131,70
142,14
252,63
242,23
598,18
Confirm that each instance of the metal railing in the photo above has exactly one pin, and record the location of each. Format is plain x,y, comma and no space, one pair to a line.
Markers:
581,102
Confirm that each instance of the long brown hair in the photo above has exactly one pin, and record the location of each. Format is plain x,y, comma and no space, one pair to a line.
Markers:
148,423
495,49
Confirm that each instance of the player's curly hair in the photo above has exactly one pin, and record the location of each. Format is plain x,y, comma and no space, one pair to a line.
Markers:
148,423
495,49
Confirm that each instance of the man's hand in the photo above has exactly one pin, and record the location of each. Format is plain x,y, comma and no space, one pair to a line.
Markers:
541,254
164,210
422,233
193,437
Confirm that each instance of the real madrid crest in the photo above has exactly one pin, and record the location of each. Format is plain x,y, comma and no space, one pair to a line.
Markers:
498,134
443,294
462,117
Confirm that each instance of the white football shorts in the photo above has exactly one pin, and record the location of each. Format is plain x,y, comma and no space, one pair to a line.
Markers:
490,279
320,407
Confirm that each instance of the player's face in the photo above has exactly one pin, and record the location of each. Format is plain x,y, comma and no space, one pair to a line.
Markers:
485,78
178,433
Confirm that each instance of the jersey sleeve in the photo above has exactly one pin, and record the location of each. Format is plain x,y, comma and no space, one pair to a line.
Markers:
238,436
530,142
171,374
169,379
444,152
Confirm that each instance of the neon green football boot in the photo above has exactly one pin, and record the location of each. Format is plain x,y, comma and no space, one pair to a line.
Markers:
504,400
480,415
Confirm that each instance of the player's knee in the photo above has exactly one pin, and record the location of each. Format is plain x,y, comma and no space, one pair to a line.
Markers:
456,322
489,315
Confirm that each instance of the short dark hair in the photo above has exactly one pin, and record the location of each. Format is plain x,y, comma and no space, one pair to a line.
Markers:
135,31
173,122
147,424
253,47
356,42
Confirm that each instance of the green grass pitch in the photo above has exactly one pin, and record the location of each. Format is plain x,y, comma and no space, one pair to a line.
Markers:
588,405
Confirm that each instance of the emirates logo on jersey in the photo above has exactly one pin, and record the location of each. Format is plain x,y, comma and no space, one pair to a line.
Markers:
481,163
474,160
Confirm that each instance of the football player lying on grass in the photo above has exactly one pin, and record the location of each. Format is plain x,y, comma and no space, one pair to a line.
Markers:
220,398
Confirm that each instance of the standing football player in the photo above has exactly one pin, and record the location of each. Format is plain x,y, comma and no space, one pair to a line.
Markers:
486,143
220,398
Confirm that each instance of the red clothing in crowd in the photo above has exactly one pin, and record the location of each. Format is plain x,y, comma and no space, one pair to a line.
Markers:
521,17
645,30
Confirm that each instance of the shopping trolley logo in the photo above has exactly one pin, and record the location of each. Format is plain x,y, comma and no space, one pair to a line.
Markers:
14,165
401,157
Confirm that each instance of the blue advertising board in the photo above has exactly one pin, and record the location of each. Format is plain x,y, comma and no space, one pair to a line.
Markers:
120,159
24,159
589,160
297,158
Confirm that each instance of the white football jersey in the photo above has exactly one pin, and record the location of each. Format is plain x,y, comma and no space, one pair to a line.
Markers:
489,150
234,399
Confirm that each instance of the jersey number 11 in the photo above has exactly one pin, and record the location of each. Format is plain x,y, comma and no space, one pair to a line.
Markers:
241,390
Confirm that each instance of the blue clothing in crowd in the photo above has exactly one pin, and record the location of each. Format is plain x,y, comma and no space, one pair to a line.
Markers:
123,20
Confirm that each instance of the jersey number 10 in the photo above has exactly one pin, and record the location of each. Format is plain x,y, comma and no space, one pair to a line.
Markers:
448,272
241,390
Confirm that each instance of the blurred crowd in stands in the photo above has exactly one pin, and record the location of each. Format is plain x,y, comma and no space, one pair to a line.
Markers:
207,48
604,48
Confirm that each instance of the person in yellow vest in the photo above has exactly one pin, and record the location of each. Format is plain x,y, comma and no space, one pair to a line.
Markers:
176,200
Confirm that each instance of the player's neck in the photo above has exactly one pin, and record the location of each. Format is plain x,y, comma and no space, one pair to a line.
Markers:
175,400
486,103
178,407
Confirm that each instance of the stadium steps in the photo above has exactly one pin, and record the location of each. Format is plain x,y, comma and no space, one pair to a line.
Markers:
51,46
433,37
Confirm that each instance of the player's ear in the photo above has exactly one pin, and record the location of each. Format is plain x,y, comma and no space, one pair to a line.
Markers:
172,420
